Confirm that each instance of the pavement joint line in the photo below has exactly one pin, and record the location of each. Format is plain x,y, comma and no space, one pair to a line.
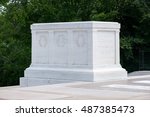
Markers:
143,81
129,87
137,77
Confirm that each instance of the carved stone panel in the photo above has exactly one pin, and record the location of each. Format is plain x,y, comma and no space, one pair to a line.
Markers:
80,48
104,48
42,48
60,55
42,41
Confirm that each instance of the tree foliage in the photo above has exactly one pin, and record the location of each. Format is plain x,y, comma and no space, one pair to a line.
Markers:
16,16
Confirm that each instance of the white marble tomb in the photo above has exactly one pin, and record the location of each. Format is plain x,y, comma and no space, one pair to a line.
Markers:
74,51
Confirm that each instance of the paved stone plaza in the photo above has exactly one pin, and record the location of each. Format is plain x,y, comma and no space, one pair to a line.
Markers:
137,87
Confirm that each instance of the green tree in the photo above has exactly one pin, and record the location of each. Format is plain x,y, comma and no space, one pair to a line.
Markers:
14,44
16,16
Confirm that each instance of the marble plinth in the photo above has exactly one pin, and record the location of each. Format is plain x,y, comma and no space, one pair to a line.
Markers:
74,51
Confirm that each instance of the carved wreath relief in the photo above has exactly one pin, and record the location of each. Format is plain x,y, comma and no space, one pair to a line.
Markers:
80,39
60,47
42,41
41,48
60,39
80,48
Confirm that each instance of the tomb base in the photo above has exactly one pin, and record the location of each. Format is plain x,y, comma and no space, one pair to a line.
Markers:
46,76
